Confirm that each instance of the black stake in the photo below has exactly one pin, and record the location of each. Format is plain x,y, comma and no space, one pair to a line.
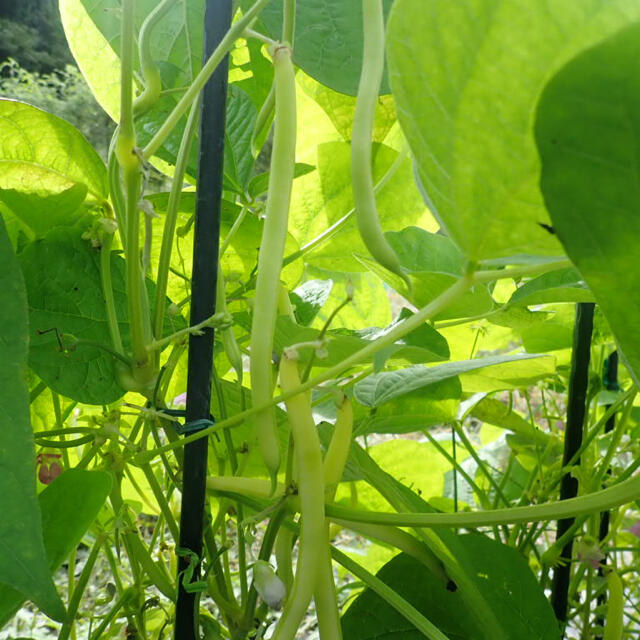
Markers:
610,381
203,290
578,384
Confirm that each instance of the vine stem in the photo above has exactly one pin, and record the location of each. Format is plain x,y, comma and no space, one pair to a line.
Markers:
614,496
217,56
171,218
80,587
399,331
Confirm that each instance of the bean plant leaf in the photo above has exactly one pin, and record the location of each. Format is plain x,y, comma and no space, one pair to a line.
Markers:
328,40
433,263
36,214
69,505
587,131
495,412
434,404
383,387
41,153
323,197
23,562
469,121
309,298
498,570
563,285
424,344
62,275
176,47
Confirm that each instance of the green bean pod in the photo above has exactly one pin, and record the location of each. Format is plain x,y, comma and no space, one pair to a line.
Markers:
229,342
150,71
361,176
614,624
338,451
270,256
313,531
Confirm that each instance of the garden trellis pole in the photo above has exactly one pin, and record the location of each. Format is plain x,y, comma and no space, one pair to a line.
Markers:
578,385
203,298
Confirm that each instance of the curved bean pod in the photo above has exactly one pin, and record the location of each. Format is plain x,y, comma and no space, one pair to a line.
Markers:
270,257
614,624
313,532
338,451
361,176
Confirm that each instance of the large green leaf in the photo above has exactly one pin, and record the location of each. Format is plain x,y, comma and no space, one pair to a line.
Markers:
588,132
322,198
23,562
415,410
176,47
34,214
498,571
69,505
383,387
563,285
445,543
424,344
328,40
62,274
466,77
433,263
41,153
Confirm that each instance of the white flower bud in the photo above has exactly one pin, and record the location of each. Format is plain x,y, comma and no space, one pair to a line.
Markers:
268,585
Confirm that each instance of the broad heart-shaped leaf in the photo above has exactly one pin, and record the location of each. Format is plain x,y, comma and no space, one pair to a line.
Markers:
495,412
413,411
501,572
434,263
587,130
34,214
320,199
62,274
309,298
328,40
69,505
445,543
469,121
383,387
41,153
23,562
93,31
563,285
424,344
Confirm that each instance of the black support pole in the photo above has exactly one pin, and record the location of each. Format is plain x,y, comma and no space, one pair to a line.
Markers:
203,292
610,382
578,385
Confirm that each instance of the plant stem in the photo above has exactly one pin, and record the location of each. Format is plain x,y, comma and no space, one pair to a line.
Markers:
614,496
526,271
389,595
107,292
81,585
171,218
216,57
289,22
400,330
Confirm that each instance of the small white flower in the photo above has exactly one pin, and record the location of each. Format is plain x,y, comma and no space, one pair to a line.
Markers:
268,584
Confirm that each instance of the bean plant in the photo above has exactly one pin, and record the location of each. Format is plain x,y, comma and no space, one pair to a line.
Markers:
423,398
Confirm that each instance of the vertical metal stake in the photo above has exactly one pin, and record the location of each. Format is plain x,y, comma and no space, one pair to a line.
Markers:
203,291
578,385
